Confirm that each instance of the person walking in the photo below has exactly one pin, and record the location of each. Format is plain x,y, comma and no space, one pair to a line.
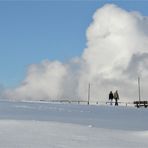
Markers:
111,97
116,97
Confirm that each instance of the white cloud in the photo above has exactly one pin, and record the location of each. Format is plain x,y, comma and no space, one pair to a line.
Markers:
116,53
44,80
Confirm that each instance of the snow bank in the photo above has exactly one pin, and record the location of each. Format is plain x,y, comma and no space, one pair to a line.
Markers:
37,134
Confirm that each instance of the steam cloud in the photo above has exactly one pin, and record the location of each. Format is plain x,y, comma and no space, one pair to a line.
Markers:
116,54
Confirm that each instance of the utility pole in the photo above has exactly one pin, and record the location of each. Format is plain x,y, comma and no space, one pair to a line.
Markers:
88,93
139,89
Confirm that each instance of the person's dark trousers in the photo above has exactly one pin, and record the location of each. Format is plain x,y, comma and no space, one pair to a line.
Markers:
116,102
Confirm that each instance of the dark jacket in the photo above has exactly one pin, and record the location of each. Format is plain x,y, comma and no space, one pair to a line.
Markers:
111,96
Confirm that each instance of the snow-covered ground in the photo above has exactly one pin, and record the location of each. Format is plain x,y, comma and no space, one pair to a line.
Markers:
51,125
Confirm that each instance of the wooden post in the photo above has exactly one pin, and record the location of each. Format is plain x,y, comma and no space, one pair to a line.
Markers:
88,93
139,93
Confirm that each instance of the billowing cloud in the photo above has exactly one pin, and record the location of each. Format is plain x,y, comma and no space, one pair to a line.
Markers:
116,53
39,78
114,37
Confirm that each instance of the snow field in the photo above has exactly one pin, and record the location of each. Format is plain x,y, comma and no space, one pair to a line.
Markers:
45,125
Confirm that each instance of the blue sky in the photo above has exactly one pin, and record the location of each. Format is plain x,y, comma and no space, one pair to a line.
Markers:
33,31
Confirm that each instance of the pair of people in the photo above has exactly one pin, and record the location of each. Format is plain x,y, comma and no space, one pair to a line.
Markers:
114,96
